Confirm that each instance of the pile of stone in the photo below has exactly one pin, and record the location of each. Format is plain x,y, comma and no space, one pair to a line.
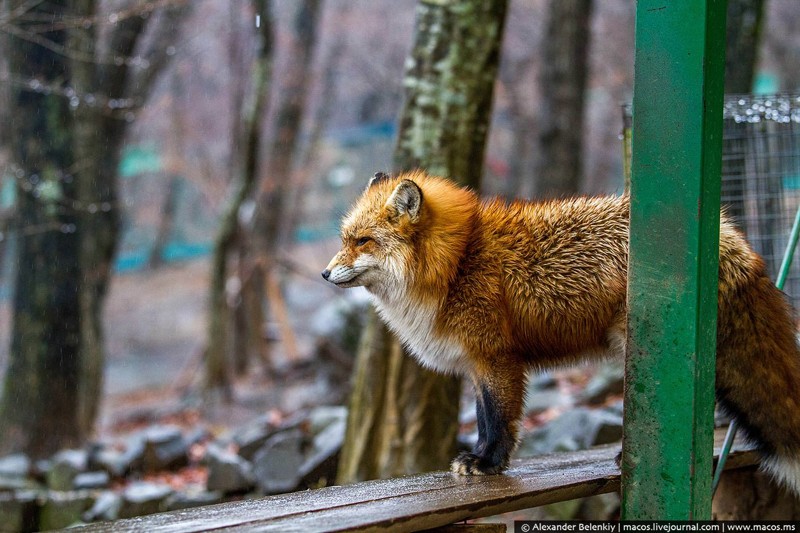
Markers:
120,479
113,480
590,418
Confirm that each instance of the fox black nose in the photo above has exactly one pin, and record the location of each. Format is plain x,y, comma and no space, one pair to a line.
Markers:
326,273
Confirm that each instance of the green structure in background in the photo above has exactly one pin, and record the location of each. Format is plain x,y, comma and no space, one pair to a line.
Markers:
674,235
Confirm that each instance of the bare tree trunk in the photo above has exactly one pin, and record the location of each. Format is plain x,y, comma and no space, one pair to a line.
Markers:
332,61
563,89
404,419
270,215
98,144
166,223
289,121
743,37
366,415
66,149
45,343
449,85
218,376
523,128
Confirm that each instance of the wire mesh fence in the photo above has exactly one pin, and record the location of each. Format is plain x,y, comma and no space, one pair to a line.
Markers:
760,173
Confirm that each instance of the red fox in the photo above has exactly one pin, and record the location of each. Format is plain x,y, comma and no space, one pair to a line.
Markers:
490,290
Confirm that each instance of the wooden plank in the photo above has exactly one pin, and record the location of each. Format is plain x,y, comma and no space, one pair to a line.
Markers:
409,503
469,528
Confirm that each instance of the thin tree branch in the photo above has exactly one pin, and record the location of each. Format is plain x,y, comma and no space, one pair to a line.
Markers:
165,35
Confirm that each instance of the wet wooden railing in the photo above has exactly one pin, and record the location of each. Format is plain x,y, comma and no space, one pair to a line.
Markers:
409,503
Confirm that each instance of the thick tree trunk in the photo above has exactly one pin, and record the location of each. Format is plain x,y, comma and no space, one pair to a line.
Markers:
40,401
404,419
66,150
743,36
523,128
449,83
366,415
97,142
563,89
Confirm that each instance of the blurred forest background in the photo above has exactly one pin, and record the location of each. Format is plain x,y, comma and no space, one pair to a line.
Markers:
173,174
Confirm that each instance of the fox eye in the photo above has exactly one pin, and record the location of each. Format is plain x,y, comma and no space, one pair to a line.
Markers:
363,240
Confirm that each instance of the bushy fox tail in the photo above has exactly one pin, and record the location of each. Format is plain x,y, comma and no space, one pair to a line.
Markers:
785,470
758,366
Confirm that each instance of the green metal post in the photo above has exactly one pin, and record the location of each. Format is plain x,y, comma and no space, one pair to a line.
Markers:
673,270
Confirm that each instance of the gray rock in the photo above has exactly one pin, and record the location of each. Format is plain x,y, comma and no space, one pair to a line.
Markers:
617,408
541,400
576,429
15,473
227,472
16,465
467,442
18,511
188,500
542,381
65,465
17,483
468,414
197,435
609,379
320,418
164,448
608,428
277,464
322,460
332,319
112,461
64,509
119,463
542,393
91,480
142,498
105,507
133,455
41,468
250,438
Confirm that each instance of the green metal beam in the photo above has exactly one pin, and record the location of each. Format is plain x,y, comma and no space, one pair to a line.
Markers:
674,235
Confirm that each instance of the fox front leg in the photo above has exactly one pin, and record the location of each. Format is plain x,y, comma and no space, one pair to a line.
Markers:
498,410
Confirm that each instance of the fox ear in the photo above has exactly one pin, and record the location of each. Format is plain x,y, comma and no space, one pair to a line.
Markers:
377,178
406,199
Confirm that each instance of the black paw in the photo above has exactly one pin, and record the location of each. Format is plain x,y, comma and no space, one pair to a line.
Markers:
469,464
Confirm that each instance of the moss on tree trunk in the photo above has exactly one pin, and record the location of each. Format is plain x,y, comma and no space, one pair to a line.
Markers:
404,419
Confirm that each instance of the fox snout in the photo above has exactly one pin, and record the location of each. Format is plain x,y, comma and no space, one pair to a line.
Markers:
332,266
341,272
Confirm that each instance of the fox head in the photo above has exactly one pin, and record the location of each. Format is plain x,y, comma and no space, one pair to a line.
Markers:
377,235
405,231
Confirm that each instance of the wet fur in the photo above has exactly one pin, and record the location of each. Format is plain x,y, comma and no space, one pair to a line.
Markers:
491,290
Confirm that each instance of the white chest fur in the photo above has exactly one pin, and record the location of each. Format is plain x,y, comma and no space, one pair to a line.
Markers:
414,326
